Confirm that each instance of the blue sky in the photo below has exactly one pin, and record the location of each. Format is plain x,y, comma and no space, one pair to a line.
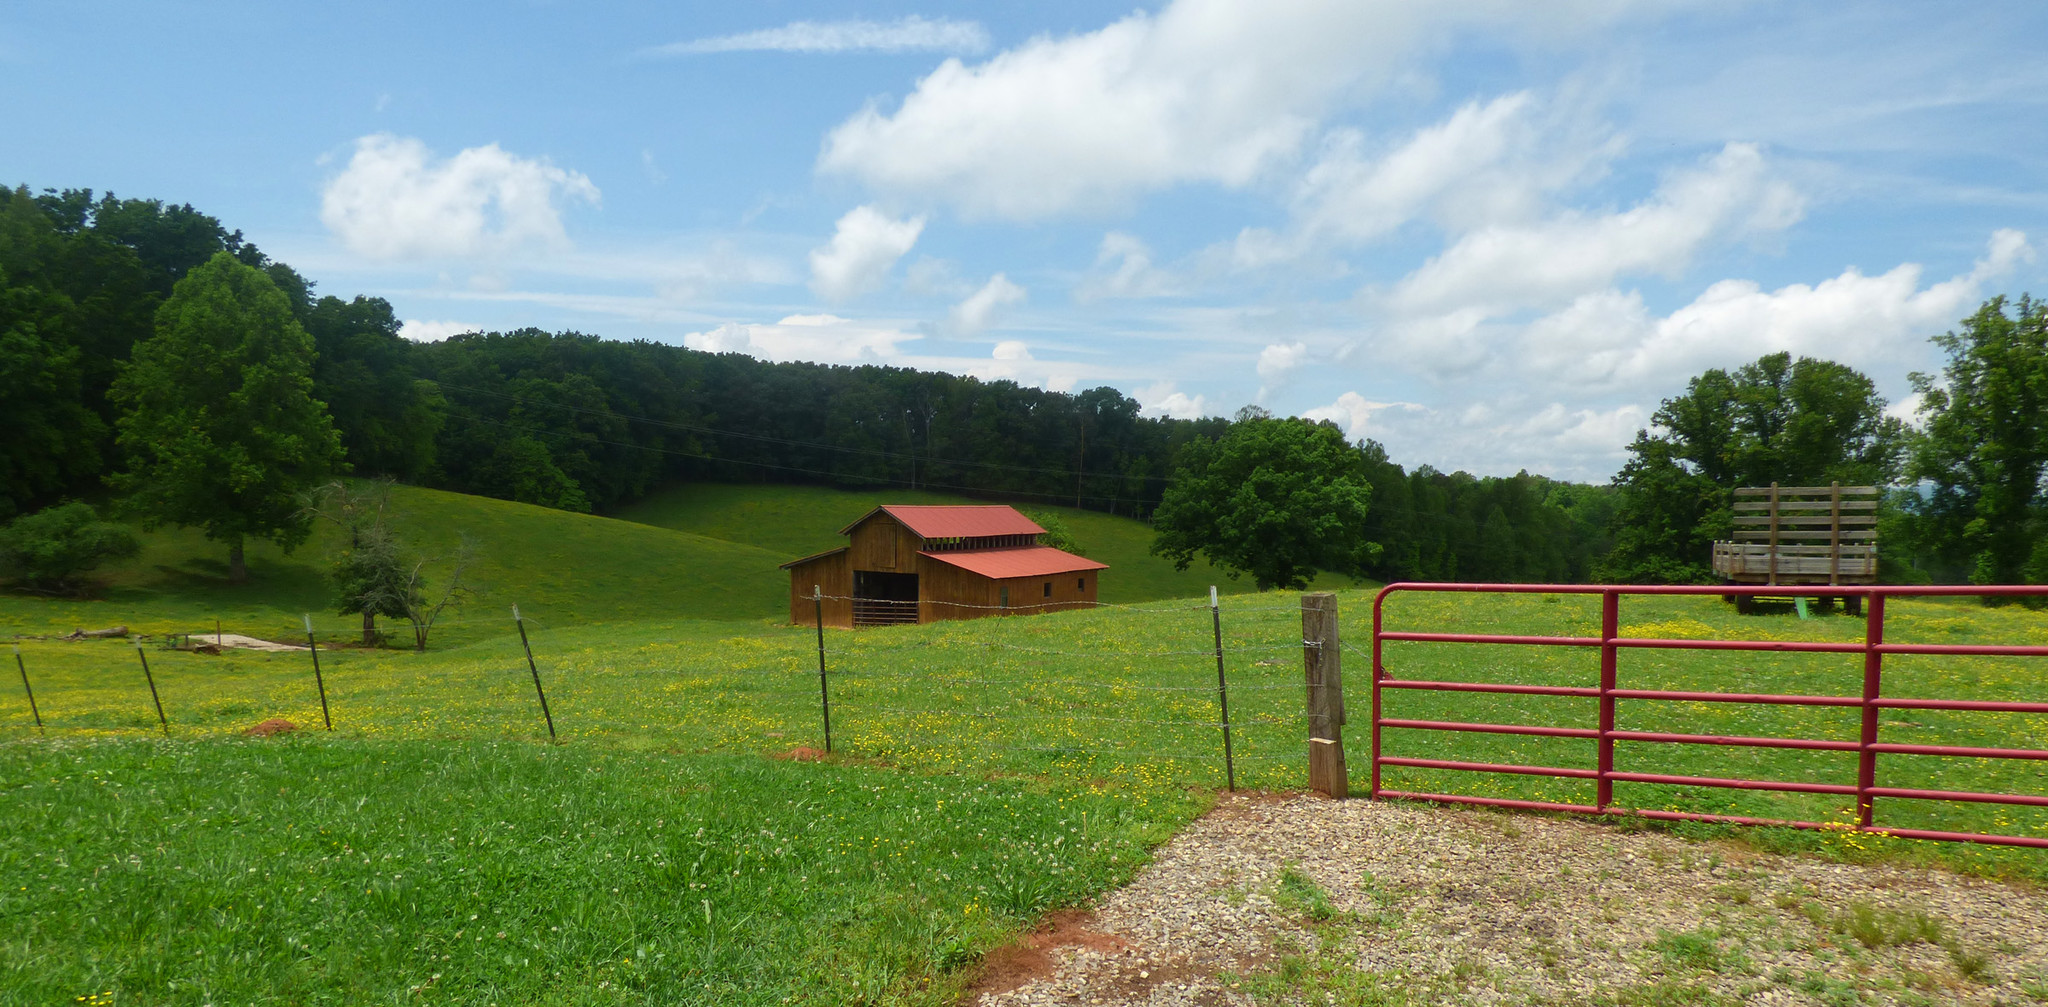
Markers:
1490,234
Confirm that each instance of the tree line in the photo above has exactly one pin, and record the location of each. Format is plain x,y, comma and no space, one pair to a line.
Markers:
578,422
139,340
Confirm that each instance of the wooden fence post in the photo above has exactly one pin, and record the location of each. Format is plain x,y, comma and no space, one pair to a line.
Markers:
1322,658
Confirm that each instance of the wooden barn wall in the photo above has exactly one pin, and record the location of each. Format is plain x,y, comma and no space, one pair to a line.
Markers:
940,583
943,582
1028,593
879,543
835,575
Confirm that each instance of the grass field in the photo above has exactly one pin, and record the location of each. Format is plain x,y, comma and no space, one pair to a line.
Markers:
670,675
406,872
1126,695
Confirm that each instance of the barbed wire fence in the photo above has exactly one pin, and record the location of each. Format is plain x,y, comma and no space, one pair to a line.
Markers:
1166,693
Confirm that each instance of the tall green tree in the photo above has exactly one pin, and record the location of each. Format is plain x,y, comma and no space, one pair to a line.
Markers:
1984,449
1794,422
1271,498
220,428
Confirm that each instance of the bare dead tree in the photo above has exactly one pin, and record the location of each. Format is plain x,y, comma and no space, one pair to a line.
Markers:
421,609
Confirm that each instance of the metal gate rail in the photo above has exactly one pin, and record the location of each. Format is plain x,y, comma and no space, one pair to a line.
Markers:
1610,643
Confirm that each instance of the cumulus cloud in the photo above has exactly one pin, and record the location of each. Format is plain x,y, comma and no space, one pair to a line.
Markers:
908,34
864,246
396,200
1503,268
1355,412
421,330
1609,338
1203,91
981,308
822,338
1163,399
1277,363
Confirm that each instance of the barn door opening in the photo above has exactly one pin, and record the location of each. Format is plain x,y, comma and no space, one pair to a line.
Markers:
884,599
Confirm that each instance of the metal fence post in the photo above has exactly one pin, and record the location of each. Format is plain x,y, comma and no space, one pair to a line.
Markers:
530,666
1610,630
151,679
1322,659
1873,686
824,695
313,647
25,687
1222,693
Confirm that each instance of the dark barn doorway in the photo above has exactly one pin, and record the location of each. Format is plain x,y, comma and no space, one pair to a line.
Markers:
884,599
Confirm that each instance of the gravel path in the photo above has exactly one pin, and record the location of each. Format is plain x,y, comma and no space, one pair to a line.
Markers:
1305,900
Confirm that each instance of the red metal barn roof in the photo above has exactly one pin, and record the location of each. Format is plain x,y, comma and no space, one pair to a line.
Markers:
1001,564
957,522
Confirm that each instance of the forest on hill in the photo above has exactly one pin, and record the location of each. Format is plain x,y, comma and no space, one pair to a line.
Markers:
582,423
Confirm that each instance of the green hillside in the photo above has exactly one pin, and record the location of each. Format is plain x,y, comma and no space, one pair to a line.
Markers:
708,551
793,521
563,568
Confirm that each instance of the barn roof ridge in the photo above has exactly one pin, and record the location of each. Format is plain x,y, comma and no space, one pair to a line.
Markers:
954,520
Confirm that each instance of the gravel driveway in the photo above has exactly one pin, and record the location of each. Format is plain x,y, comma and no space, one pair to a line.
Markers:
1305,900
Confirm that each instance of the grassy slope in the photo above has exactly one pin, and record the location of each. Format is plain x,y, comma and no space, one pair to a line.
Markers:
793,521
563,567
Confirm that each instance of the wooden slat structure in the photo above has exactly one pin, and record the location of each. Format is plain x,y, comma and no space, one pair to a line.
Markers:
1801,536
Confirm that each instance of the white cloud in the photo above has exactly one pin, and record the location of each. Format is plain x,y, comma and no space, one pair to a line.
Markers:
1277,363
1355,412
908,34
822,338
1123,268
864,245
1213,91
982,307
1608,338
421,330
1503,268
1163,399
1011,349
395,200
1278,360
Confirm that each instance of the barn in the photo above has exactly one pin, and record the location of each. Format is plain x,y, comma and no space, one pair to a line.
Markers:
923,564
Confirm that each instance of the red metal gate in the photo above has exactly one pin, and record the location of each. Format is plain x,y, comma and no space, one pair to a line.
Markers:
1609,643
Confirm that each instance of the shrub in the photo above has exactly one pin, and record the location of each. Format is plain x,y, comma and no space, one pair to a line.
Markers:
53,550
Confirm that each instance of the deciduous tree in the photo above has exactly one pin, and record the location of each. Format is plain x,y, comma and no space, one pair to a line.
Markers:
1272,498
220,429
1984,450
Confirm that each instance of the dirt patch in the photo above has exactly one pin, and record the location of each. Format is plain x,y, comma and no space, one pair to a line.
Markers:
271,727
801,753
1424,904
1031,958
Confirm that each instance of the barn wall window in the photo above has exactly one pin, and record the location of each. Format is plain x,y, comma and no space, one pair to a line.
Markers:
1081,583
1048,589
1003,597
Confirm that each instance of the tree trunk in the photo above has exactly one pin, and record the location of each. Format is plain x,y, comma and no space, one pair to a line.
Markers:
238,568
369,629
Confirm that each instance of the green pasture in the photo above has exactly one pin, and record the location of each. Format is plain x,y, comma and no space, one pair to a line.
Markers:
1126,695
317,870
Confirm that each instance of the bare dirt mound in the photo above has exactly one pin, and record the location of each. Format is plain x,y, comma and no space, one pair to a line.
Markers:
269,728
801,753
